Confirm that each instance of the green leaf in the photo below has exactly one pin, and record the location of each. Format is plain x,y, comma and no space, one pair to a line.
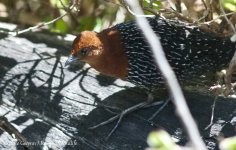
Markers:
87,23
155,6
228,144
98,25
229,4
58,3
61,26
161,140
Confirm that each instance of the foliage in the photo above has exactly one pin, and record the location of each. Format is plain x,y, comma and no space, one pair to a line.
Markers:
92,15
228,144
100,14
229,4
160,140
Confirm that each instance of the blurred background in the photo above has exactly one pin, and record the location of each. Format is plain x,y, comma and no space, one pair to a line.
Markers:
91,14
99,14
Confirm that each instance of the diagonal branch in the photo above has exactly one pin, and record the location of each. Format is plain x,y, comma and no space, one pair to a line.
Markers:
10,129
74,3
174,87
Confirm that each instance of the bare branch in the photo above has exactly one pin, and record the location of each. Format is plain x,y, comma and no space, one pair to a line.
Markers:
172,5
232,65
218,17
10,129
135,13
45,23
226,18
123,4
228,76
178,6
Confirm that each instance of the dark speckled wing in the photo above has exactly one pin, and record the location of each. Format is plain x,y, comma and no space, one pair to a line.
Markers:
189,51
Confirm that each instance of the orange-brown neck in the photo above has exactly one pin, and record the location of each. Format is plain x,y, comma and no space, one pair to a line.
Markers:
113,61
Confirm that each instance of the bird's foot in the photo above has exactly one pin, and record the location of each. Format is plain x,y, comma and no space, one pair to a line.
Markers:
150,99
110,109
159,110
120,116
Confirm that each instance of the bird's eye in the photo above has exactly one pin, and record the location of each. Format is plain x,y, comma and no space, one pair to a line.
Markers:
84,51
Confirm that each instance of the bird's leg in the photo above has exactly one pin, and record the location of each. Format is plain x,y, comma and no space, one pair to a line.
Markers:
150,100
159,110
110,109
119,117
123,113
212,113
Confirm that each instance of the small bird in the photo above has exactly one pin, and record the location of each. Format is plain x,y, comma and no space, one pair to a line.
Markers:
122,51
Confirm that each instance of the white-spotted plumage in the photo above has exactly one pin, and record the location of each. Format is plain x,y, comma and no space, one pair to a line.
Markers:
190,51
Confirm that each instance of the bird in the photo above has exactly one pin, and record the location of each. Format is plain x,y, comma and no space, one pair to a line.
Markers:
122,51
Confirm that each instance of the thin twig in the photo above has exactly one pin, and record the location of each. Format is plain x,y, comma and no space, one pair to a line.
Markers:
151,3
232,65
175,89
65,8
176,14
150,10
44,23
228,76
137,15
218,17
226,18
207,12
209,4
172,5
178,6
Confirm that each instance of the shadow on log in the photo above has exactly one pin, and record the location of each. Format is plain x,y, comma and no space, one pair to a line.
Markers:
53,106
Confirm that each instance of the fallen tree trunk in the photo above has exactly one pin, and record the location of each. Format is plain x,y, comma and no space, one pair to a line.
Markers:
53,106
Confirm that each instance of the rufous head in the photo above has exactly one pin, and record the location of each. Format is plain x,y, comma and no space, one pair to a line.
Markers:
103,51
86,47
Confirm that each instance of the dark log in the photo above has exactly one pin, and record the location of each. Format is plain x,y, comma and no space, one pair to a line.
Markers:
53,106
